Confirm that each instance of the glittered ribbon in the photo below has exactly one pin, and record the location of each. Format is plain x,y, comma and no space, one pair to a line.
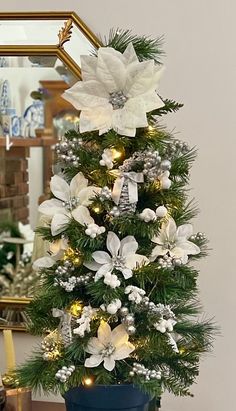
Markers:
132,178
64,326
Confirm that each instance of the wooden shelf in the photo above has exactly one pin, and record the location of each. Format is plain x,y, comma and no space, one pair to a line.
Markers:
28,142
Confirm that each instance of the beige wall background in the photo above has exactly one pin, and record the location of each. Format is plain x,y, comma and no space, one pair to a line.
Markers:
201,62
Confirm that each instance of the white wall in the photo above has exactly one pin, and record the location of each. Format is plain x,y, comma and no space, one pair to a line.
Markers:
201,61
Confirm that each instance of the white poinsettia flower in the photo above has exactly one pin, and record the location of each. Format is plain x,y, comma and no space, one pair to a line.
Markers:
56,252
122,257
71,201
108,347
174,241
116,92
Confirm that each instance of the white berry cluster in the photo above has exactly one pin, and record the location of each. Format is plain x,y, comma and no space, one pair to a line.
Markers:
113,307
93,230
135,294
148,215
105,193
64,373
111,280
84,321
107,159
73,281
164,325
142,371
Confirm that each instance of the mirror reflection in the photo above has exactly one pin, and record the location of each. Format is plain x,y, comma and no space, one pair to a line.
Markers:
33,117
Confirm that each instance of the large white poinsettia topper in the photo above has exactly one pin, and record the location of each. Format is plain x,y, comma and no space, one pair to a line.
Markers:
108,347
174,241
71,201
122,257
116,92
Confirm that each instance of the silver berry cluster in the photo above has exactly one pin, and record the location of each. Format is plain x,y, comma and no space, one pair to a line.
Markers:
198,236
117,99
66,150
105,193
151,164
67,280
128,320
168,262
175,147
160,310
114,212
142,371
71,204
64,373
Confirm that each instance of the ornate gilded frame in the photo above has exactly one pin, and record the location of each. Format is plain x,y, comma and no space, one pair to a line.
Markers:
69,19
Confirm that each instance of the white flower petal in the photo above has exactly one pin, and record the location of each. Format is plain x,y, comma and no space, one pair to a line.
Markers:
93,361
127,272
87,194
101,257
139,78
132,115
130,55
92,265
109,363
81,215
51,207
123,351
102,271
157,251
94,346
128,246
59,223
178,252
168,231
113,243
60,188
98,118
104,333
44,262
86,94
119,335
188,247
135,260
111,70
88,67
151,101
78,183
185,230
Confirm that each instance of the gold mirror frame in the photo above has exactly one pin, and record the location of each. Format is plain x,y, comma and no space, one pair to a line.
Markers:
69,20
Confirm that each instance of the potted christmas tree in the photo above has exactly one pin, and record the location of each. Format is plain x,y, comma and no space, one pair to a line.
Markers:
117,308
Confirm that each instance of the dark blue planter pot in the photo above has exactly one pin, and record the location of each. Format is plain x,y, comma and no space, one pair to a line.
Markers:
107,398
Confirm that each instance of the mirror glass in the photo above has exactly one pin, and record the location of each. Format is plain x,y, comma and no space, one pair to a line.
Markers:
44,32
33,116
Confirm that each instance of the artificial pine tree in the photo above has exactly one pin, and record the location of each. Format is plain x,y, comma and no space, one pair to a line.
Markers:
118,304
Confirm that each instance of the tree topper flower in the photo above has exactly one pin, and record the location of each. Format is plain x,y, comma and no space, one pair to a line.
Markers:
71,201
116,92
123,257
174,241
108,347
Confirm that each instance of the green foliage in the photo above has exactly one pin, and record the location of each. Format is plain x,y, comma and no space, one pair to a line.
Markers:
146,48
170,106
